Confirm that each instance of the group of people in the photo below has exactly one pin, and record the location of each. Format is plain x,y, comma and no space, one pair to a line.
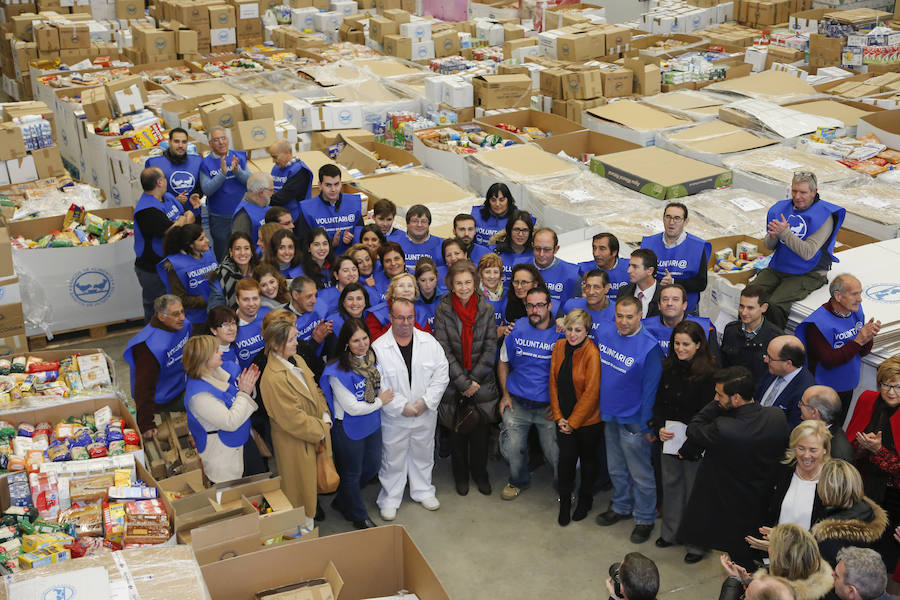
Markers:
305,330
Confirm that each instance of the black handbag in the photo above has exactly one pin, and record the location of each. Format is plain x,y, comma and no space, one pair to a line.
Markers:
468,416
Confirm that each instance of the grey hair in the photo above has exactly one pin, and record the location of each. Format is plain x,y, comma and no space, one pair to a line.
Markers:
298,284
280,146
213,131
161,304
826,401
865,571
807,177
839,283
257,182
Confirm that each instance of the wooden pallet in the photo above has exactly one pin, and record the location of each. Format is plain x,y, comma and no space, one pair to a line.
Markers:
170,452
95,332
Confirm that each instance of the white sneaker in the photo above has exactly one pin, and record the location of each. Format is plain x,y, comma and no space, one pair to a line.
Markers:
431,503
388,514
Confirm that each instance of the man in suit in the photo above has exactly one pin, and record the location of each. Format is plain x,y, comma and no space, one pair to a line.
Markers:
744,442
413,365
821,403
788,378
860,575
642,278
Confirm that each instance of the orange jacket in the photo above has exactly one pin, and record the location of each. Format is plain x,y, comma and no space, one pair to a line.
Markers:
585,375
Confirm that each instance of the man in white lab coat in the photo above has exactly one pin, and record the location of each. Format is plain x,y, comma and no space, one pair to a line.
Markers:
412,364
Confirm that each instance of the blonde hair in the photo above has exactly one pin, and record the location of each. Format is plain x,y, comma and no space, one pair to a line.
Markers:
265,233
277,335
840,484
392,286
793,552
197,352
578,315
279,314
804,430
888,369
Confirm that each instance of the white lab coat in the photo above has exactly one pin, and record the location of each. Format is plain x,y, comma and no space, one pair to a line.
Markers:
409,441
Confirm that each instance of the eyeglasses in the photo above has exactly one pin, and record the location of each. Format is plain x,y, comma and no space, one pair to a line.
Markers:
888,387
229,324
219,139
673,218
537,306
771,358
520,230
418,222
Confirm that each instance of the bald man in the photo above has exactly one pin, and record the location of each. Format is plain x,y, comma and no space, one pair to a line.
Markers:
291,178
787,379
821,403
838,336
761,587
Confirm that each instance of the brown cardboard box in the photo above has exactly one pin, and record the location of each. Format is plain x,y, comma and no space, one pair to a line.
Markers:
224,112
581,85
194,14
551,82
11,143
21,26
446,43
646,76
221,16
398,15
6,263
48,162
251,135
123,96
548,123
380,27
617,82
46,36
825,51
581,45
502,91
95,104
513,32
513,44
129,9
617,38
254,109
186,41
397,45
782,54
73,36
583,144
156,43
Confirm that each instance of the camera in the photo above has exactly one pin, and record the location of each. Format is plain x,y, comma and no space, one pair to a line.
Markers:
614,573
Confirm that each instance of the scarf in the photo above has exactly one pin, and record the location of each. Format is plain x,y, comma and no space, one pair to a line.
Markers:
881,421
491,295
467,315
365,366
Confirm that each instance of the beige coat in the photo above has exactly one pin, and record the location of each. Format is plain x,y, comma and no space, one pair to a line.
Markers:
297,428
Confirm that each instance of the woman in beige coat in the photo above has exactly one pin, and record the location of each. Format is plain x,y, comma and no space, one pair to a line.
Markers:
299,415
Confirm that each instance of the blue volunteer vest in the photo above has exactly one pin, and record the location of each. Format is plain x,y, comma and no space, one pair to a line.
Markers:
499,308
194,276
228,357
382,312
232,439
511,259
683,261
280,177
803,224
413,251
292,272
655,326
425,312
249,340
308,321
477,252
486,228
618,275
257,216
528,350
623,360
598,317
172,209
180,178
327,300
319,213
226,198
562,281
837,331
359,426
167,348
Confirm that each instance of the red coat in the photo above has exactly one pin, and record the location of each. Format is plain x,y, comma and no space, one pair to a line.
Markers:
862,414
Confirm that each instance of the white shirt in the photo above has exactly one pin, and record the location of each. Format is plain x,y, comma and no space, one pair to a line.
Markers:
345,401
777,387
645,298
680,239
797,505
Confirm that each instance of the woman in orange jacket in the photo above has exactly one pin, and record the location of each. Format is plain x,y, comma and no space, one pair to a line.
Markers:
575,403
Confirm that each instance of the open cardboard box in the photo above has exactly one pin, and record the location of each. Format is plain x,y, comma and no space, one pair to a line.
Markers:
553,125
248,533
731,241
361,156
632,121
404,189
581,145
452,166
372,562
884,125
182,485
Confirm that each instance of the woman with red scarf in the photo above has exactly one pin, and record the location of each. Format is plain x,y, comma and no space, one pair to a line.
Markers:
874,432
465,327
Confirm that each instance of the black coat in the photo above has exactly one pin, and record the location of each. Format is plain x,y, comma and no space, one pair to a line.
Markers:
840,444
736,350
679,399
779,489
628,290
861,525
734,483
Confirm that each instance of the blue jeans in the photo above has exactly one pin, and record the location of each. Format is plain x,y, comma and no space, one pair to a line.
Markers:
357,462
514,439
220,231
631,472
152,287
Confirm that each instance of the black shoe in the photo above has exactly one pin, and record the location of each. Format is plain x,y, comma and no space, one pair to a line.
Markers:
565,510
582,508
364,524
484,487
691,558
462,488
610,517
661,543
320,514
641,533
603,487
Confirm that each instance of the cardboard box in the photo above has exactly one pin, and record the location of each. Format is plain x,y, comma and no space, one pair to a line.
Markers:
884,125
397,45
6,263
617,82
48,162
659,173
21,170
254,109
46,36
11,143
502,91
251,135
647,76
632,121
581,85
731,241
374,562
381,26
224,112
241,535
129,9
549,123
582,145
127,93
73,36
221,16
362,156
446,43
825,51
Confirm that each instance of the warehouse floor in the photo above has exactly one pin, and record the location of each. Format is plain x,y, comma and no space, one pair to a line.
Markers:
483,547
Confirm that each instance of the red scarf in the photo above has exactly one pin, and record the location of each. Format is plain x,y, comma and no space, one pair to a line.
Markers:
467,315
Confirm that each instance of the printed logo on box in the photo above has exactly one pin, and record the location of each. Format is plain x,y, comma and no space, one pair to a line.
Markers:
223,18
116,196
160,44
91,286
884,292
226,120
345,116
258,133
224,35
131,9
59,592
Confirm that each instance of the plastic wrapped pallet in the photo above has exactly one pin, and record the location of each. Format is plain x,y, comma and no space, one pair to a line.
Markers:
159,573
770,170
872,209
734,211
712,141
690,104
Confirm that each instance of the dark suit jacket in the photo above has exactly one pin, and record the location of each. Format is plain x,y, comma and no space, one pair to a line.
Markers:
628,290
840,444
789,398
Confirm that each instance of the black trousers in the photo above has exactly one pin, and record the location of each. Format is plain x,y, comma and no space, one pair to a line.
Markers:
580,444
468,453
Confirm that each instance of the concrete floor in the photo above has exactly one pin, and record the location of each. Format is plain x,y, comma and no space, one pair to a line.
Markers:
483,547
